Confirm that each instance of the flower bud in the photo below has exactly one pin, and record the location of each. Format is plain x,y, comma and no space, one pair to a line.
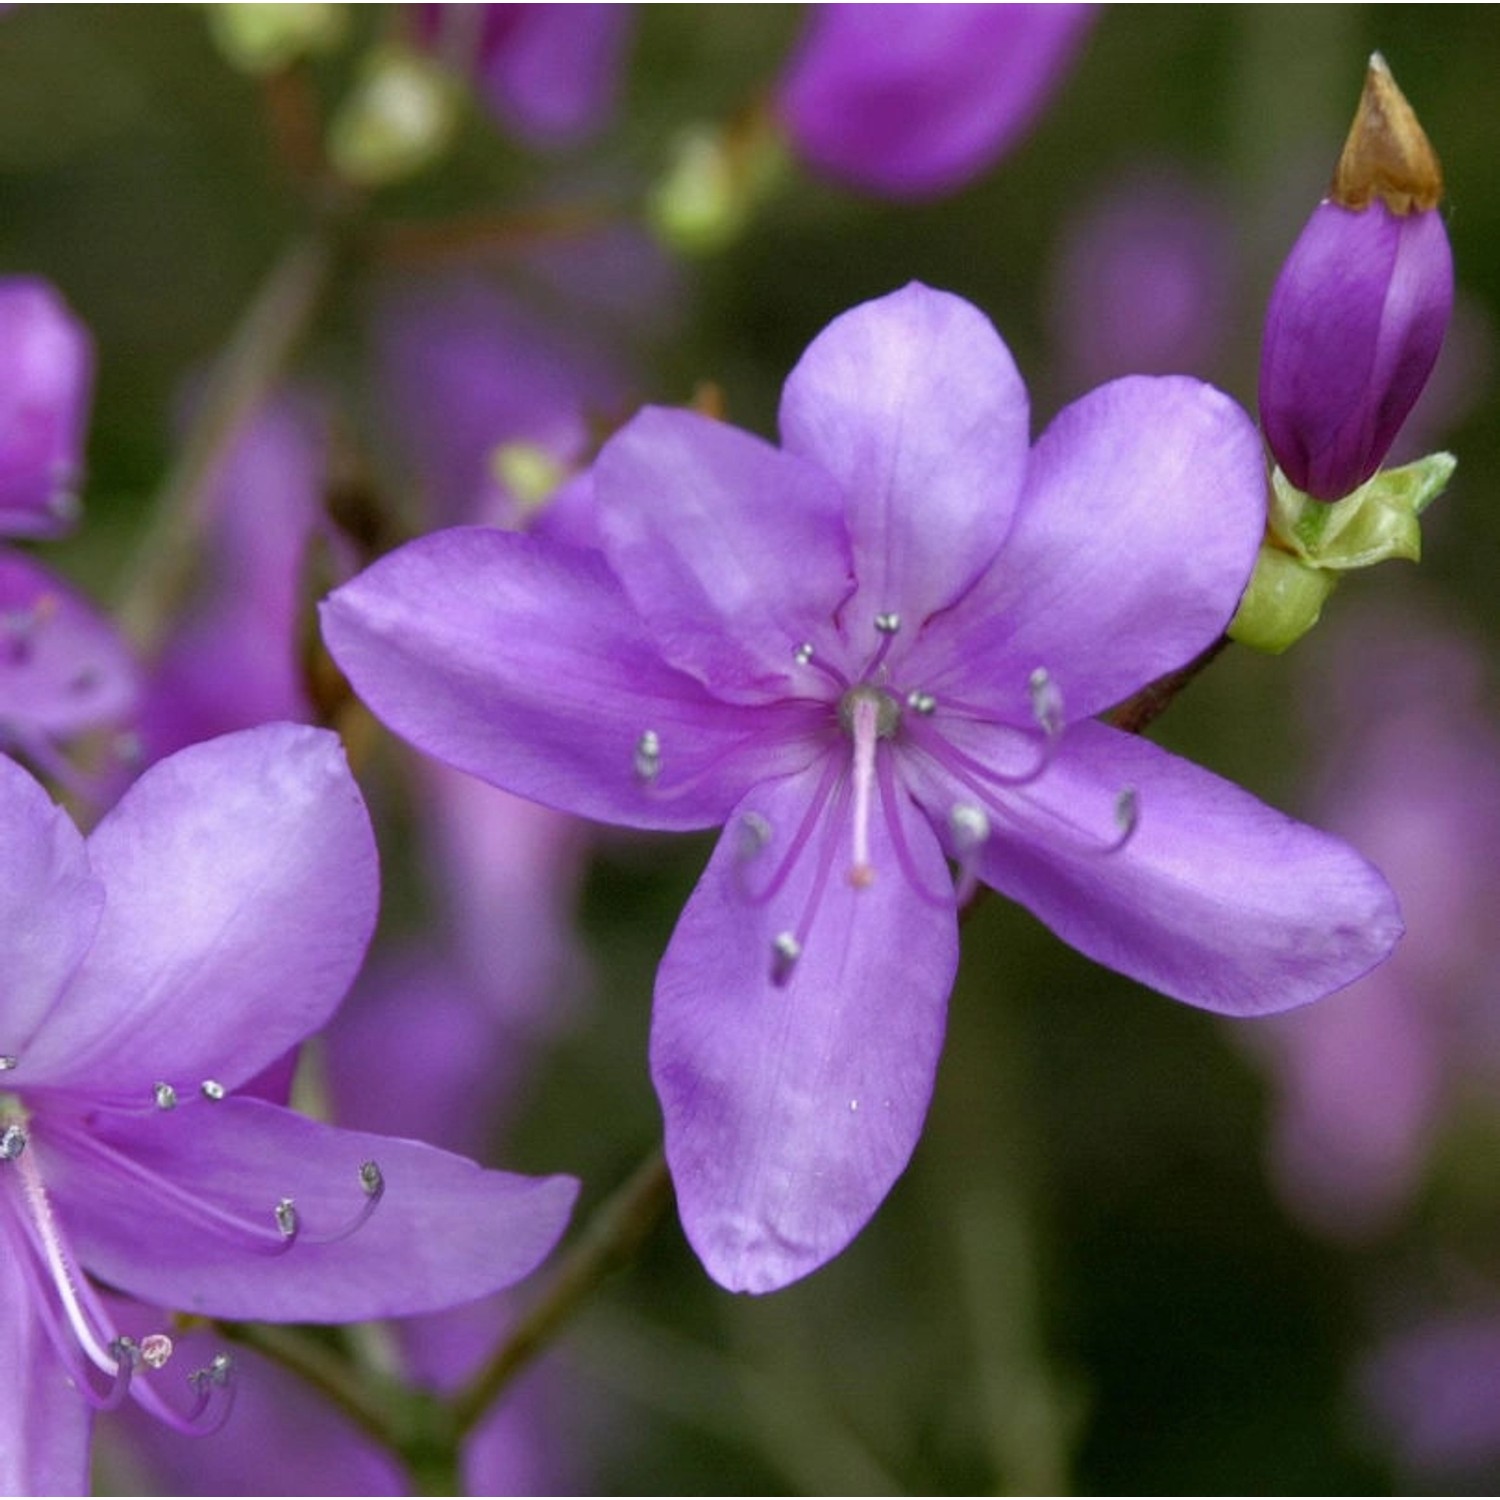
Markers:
261,39
401,117
46,378
1358,313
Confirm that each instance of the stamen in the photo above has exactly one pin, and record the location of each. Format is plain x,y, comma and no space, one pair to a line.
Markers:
211,1089
889,799
1127,818
755,834
8,1062
921,703
165,1096
156,1350
804,653
1046,702
969,827
888,624
287,1219
798,841
785,952
12,1142
648,756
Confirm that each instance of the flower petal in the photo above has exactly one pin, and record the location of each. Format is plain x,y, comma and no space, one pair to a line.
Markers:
913,403
791,1109
446,1231
522,662
1216,899
64,669
44,1422
49,909
1143,511
914,100
241,888
732,551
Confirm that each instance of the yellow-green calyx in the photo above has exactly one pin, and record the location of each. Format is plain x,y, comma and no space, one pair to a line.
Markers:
1311,543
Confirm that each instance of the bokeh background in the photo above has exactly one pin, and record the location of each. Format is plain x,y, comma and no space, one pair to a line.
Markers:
1092,1276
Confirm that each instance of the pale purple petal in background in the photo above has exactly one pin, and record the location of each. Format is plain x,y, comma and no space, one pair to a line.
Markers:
1144,281
46,383
911,101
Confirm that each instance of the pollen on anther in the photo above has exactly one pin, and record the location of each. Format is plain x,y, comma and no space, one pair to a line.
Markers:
1046,701
12,1142
211,1089
803,654
165,1096
970,826
889,623
921,703
648,756
785,952
371,1179
156,1350
287,1220
8,1063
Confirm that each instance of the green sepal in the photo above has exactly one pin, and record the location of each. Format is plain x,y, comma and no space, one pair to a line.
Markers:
1285,597
1374,523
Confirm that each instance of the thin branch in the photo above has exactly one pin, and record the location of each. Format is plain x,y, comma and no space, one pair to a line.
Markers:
609,1240
251,363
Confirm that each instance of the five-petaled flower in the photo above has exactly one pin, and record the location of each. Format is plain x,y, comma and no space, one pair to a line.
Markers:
153,972
872,652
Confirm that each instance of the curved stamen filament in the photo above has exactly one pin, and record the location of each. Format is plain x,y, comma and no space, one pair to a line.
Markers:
889,800
832,770
784,954
660,754
928,739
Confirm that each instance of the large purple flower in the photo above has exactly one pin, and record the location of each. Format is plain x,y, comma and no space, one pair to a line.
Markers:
212,921
872,651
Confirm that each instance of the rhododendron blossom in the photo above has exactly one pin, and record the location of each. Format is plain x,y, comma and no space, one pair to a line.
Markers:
874,652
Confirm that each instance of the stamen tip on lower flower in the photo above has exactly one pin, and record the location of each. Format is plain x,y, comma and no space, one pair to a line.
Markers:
164,1095
785,952
1046,702
648,756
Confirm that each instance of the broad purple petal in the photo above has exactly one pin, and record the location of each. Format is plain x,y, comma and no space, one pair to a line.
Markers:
914,404
523,663
915,100
49,906
46,380
1352,332
44,1423
445,1232
1217,899
241,888
1136,533
791,1109
732,551
64,669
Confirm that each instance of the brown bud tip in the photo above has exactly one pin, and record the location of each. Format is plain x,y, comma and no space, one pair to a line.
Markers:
1387,155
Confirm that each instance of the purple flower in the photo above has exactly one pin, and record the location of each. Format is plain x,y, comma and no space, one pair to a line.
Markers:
550,73
212,921
46,380
1358,313
911,101
868,652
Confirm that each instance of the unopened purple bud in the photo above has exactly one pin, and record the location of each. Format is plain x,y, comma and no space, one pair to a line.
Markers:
1358,313
914,100
46,376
